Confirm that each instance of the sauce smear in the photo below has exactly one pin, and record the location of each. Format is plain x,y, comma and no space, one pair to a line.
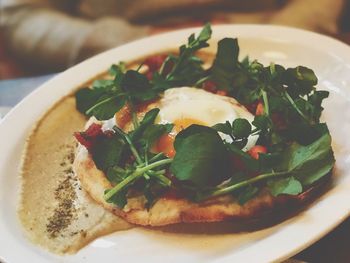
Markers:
55,212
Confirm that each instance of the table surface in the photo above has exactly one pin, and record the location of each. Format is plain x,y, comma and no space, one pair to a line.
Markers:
331,248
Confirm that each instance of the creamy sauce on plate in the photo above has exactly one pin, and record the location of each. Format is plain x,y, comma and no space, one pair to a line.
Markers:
55,212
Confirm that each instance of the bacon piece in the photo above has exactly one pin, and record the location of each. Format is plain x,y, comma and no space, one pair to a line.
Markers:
89,137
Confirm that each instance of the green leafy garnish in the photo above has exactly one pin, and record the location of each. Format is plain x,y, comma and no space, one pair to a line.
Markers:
186,68
288,185
239,131
107,97
311,162
287,122
146,165
201,157
108,152
300,167
225,63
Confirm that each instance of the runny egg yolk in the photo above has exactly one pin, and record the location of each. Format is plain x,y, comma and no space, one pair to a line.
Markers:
165,144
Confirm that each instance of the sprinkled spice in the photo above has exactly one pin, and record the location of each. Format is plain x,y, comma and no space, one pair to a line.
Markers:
65,212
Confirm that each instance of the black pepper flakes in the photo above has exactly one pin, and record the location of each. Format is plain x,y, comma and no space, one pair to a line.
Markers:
65,194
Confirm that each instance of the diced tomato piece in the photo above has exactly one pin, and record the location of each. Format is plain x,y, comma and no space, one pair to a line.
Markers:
256,150
222,92
259,109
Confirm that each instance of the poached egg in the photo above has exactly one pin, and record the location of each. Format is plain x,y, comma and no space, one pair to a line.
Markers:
184,106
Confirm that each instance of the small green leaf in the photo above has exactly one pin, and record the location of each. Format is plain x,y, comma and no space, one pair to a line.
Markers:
306,74
116,70
316,100
241,128
137,86
262,122
311,162
288,185
201,157
205,34
102,83
106,107
239,131
107,152
147,120
225,128
225,63
85,98
300,81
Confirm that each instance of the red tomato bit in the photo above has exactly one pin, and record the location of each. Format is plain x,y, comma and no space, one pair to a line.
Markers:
256,150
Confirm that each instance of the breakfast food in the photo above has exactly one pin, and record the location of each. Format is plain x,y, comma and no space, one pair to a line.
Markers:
175,142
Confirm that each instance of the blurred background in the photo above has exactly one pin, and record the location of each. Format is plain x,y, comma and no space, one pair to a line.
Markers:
39,37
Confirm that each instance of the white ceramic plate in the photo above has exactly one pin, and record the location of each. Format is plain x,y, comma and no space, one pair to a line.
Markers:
290,47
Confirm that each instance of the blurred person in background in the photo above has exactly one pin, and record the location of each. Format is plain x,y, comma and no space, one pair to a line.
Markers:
52,35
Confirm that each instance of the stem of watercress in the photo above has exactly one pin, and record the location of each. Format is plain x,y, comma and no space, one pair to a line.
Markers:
128,140
135,175
101,103
291,101
266,103
239,185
